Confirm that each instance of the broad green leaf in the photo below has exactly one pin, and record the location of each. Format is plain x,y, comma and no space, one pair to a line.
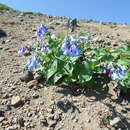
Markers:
57,77
84,78
125,62
52,70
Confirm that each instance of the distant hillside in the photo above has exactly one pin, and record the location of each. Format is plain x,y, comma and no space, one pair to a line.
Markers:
4,7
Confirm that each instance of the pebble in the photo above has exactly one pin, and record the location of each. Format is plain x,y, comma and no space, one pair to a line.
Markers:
21,121
32,83
115,121
1,113
35,96
52,123
43,121
1,119
7,41
8,107
56,116
15,100
98,39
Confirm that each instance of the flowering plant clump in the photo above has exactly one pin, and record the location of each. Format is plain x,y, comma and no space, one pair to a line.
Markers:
66,60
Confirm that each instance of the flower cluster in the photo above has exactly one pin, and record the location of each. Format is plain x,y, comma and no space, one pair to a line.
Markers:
116,72
41,31
43,48
23,51
71,48
33,62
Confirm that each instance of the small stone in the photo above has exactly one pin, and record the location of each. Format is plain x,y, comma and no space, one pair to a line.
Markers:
76,120
115,121
98,39
124,111
27,124
27,52
21,15
32,83
15,100
38,77
115,44
7,41
8,107
27,76
34,29
35,96
2,113
3,42
88,120
40,85
52,123
14,127
43,122
21,121
1,119
56,116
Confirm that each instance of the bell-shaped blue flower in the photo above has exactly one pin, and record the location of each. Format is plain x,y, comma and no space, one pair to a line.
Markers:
21,51
122,69
71,48
41,31
64,46
115,71
32,62
116,75
44,48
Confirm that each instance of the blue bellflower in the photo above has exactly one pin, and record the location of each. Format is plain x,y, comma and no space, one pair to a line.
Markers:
33,62
44,48
119,72
71,48
41,31
21,51
122,69
116,75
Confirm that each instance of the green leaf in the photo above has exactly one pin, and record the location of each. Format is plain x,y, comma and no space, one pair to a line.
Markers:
83,78
83,71
57,77
124,62
52,70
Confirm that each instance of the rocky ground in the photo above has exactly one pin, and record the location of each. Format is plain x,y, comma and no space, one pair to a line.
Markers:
36,106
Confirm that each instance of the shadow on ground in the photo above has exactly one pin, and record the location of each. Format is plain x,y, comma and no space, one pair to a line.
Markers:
99,91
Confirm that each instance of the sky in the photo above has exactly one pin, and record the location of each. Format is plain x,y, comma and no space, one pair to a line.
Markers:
99,10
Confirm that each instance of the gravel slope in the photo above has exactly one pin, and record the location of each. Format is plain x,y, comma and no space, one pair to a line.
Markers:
45,107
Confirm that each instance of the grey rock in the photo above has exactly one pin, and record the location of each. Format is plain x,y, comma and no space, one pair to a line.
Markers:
27,76
56,116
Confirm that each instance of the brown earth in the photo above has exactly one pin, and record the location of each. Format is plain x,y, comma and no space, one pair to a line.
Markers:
45,107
